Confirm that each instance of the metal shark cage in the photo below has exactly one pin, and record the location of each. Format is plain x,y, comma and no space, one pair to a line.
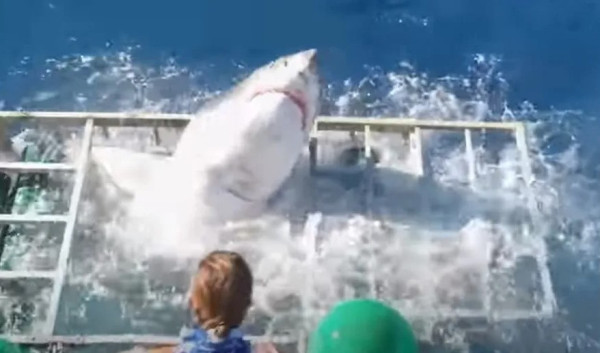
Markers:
365,126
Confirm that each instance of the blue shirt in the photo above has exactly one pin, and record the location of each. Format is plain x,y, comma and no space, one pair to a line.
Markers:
197,340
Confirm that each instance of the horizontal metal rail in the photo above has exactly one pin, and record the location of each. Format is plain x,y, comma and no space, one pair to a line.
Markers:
26,274
124,339
358,123
140,339
36,167
32,218
100,119
504,315
170,340
322,122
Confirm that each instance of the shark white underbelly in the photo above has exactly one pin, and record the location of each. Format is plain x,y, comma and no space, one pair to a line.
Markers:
231,158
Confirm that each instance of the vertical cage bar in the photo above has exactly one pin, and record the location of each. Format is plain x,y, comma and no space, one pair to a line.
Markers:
416,151
65,248
470,154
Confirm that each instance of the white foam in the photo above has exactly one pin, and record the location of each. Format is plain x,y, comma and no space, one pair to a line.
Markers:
343,265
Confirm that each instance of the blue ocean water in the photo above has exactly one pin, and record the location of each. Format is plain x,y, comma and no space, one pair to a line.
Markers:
530,60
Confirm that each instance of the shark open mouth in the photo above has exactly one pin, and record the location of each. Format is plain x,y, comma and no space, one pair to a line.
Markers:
295,97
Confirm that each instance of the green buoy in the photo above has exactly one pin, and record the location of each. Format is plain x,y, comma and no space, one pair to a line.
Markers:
363,326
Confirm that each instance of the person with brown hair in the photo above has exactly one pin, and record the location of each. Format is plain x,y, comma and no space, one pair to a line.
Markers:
219,297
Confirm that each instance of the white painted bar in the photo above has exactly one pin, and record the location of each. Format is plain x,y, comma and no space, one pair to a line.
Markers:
35,167
65,248
100,118
122,339
470,154
26,274
322,122
416,151
549,304
332,122
367,132
521,140
31,218
505,315
171,340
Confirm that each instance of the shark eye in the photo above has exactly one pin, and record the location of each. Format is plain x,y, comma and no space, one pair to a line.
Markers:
285,63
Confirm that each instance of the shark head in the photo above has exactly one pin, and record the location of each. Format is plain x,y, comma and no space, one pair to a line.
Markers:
294,75
230,159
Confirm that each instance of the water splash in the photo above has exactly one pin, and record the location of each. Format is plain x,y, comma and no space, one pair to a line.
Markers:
404,256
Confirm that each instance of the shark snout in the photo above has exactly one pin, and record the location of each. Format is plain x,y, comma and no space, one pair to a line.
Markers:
310,56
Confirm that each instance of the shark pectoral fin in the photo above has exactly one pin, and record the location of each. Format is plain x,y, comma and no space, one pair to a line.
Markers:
127,169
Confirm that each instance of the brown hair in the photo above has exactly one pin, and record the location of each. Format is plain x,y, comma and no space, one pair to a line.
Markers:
221,292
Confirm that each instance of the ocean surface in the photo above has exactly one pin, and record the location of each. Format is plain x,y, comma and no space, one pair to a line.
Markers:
536,61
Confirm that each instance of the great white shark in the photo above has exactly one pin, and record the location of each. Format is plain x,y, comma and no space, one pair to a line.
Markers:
230,159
